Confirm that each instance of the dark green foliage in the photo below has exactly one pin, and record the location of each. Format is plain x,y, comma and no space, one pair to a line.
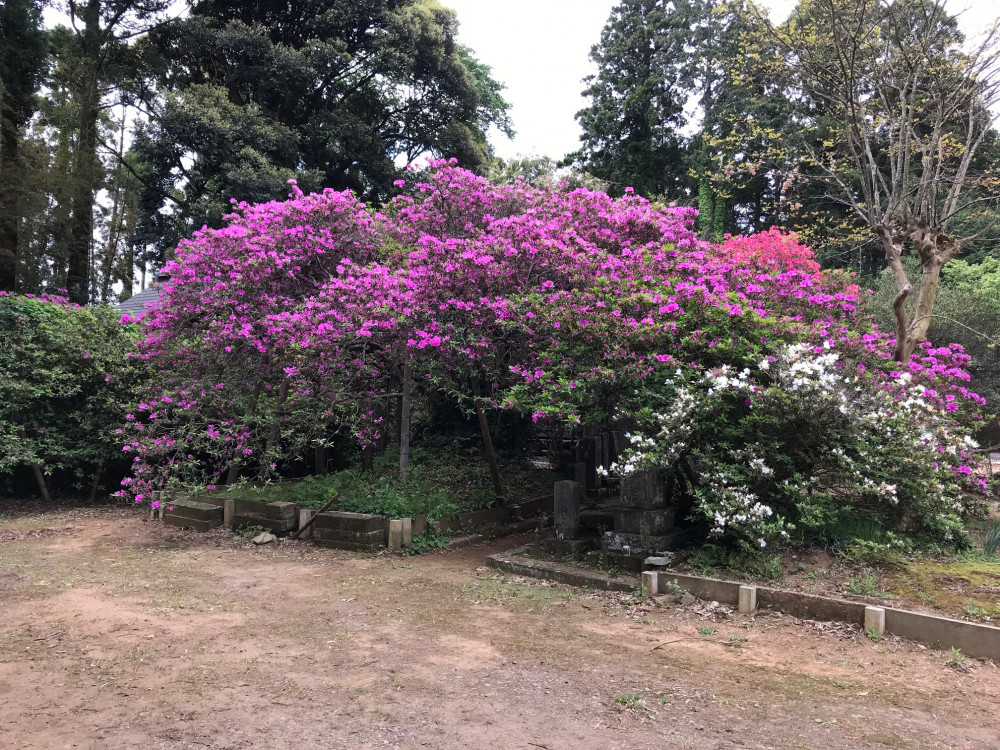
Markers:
991,544
705,209
65,377
445,478
23,51
335,95
645,74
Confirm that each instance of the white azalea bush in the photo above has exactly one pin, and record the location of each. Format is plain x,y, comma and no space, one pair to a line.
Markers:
804,438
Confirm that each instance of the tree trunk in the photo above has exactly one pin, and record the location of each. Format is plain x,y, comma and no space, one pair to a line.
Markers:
234,468
484,428
40,479
320,455
368,450
96,484
272,437
81,229
404,422
934,248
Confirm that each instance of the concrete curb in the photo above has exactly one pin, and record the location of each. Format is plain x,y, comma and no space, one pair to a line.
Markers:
975,640
555,572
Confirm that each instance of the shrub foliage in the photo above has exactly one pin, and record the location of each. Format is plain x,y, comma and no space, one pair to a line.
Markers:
743,372
65,376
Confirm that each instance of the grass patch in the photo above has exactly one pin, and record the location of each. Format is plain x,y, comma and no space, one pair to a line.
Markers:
717,562
951,586
499,591
631,702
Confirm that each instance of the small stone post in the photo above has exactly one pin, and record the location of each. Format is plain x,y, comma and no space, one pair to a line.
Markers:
396,535
305,516
651,582
228,511
407,531
747,600
875,620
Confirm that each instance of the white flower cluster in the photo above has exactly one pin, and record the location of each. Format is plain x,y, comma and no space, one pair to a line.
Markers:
725,378
883,489
737,509
806,370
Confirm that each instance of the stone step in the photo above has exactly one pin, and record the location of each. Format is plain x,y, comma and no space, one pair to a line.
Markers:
279,511
376,537
210,499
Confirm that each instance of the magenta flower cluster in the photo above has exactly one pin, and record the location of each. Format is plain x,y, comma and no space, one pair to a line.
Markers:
297,317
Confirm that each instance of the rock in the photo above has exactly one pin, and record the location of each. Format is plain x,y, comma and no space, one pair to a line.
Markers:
688,599
266,538
652,563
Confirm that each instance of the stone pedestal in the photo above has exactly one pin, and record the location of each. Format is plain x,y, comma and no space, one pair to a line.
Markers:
643,490
652,522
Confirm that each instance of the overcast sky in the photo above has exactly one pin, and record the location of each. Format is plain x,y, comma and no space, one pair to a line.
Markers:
540,50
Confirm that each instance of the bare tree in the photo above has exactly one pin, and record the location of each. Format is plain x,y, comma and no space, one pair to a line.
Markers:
901,105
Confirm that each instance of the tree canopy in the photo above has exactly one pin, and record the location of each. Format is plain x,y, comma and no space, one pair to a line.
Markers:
333,94
139,121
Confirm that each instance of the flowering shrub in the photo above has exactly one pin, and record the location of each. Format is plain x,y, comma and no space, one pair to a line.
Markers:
804,438
64,374
737,367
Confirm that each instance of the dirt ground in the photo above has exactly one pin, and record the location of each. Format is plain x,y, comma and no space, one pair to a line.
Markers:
117,632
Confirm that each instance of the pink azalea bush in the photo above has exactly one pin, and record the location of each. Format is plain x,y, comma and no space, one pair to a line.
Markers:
295,318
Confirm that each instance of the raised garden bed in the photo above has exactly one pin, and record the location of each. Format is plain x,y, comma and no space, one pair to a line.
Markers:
351,530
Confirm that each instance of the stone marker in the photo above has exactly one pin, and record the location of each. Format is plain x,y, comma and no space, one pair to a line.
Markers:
305,516
266,538
407,531
566,510
396,535
228,510
651,582
875,620
748,600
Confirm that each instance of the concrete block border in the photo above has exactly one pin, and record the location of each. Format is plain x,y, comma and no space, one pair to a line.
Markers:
975,640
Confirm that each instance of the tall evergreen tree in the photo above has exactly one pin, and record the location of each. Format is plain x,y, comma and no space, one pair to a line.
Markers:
102,54
23,52
646,74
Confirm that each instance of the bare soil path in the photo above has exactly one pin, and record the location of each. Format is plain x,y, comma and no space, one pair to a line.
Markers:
120,633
